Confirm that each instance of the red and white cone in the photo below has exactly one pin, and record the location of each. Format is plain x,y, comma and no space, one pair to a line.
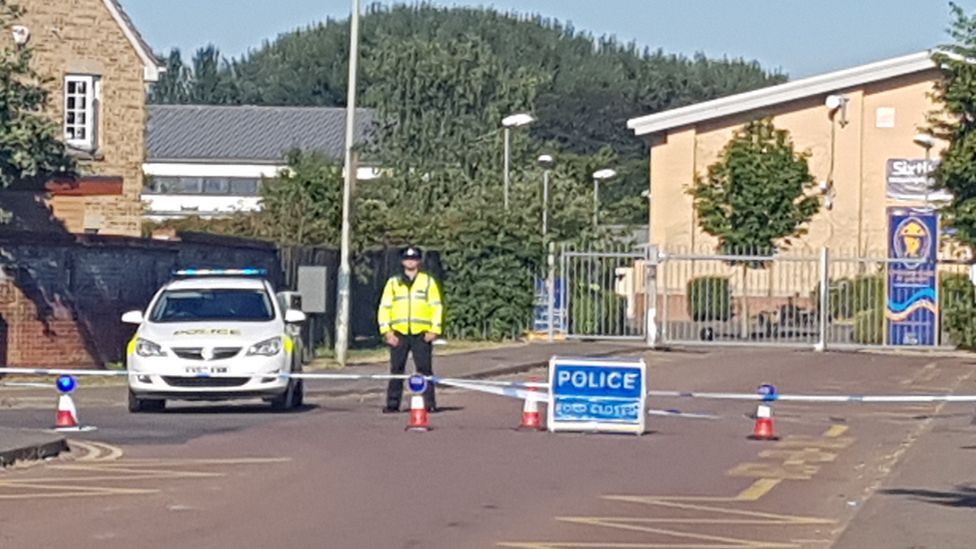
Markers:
418,414
764,424
67,419
531,419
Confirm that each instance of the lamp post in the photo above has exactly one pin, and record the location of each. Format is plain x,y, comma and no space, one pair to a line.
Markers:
599,175
342,289
547,161
512,121
926,141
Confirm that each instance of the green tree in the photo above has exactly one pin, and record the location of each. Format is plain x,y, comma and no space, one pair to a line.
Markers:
30,148
589,87
758,194
956,123
174,83
302,204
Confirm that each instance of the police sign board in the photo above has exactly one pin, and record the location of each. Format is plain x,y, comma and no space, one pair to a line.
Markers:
597,394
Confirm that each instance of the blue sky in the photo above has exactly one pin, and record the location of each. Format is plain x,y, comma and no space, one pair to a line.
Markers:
802,37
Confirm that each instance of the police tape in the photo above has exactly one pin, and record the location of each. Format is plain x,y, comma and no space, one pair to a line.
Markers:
127,373
678,413
826,399
512,390
526,390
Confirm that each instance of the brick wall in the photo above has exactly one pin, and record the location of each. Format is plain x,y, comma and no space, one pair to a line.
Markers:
62,296
82,37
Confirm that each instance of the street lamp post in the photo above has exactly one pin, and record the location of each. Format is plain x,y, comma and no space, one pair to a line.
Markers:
342,311
512,121
926,141
599,175
546,161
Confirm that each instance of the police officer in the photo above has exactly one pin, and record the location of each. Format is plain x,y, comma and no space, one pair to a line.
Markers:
410,316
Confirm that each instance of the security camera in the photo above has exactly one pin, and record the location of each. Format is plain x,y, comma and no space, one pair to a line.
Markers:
546,160
834,102
21,34
828,203
824,186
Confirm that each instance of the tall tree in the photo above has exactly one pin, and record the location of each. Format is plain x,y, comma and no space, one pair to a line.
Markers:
956,123
174,83
758,193
30,148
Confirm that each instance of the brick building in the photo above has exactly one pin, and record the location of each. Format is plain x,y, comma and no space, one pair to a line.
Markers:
99,67
96,67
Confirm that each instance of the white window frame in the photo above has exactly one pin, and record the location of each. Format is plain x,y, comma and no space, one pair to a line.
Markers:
90,112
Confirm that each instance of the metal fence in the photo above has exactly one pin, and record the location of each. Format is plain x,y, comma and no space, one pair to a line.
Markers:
602,292
775,299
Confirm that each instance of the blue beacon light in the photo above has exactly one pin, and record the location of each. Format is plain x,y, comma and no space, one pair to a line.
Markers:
417,384
767,391
66,384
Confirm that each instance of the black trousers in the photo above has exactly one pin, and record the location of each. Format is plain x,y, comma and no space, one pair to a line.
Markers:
422,358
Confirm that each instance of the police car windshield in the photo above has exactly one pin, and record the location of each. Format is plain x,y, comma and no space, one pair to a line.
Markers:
210,305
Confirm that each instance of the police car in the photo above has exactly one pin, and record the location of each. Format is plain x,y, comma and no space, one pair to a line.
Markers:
214,334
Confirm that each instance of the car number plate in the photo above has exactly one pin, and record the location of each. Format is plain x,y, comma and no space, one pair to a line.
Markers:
205,370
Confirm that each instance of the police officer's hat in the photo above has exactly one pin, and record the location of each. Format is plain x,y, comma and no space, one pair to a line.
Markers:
411,252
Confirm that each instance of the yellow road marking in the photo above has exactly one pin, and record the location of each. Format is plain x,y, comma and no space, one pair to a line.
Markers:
96,451
758,489
835,431
730,542
178,462
783,471
102,460
599,545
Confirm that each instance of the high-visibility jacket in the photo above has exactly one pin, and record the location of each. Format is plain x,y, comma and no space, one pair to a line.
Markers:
411,307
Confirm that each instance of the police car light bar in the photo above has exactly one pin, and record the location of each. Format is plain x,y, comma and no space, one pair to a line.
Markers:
221,272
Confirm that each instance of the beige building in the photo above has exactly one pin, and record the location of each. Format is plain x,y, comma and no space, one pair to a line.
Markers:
857,124
99,67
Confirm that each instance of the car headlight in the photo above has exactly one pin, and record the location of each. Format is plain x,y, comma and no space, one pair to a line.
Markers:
268,347
147,348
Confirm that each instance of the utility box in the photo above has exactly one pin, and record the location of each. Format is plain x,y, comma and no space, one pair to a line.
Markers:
313,285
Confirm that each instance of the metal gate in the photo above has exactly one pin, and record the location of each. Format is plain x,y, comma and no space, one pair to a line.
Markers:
604,292
766,299
752,299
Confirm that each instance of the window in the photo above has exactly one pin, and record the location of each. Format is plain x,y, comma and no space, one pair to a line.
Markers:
213,305
243,187
81,112
214,186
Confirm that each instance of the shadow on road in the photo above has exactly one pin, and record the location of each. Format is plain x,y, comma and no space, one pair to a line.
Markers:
962,496
262,409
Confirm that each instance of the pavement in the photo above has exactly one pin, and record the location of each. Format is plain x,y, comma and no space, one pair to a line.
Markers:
28,444
340,474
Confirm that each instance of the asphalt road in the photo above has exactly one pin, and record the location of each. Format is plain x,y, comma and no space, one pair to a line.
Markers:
340,474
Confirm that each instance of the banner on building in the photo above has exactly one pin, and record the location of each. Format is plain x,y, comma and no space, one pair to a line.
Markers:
912,180
912,309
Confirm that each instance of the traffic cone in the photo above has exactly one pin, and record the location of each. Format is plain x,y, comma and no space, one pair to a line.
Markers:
67,419
418,414
764,424
531,419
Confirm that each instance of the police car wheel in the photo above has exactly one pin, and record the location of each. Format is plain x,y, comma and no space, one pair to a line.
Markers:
137,405
299,399
286,401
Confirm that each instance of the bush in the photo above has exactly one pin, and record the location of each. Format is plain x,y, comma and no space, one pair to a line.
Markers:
709,298
869,326
958,310
850,296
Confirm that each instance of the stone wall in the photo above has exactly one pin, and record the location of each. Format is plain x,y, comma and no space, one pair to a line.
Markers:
82,37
